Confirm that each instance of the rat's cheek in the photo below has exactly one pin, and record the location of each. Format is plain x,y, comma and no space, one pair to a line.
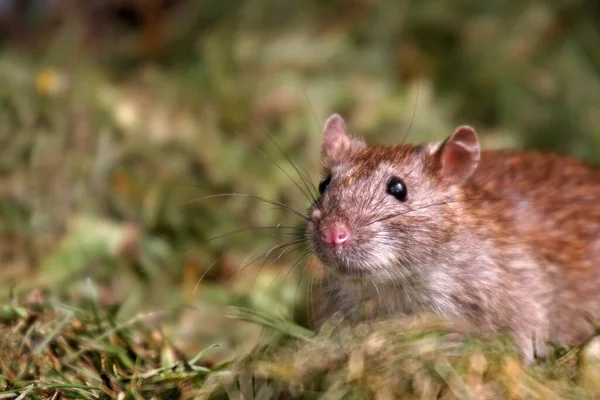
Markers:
315,214
311,231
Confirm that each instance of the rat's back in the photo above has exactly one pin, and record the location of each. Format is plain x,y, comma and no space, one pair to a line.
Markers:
551,204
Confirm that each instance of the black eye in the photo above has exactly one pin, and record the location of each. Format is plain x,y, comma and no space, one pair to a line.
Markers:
397,188
323,184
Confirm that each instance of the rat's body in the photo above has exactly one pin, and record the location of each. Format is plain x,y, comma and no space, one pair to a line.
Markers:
510,240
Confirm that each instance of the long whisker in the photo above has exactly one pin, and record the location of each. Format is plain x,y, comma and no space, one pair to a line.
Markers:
304,179
366,200
298,285
302,256
204,274
441,203
312,110
215,262
310,312
412,118
296,232
275,203
377,290
306,190
267,255
211,266
276,227
284,248
382,199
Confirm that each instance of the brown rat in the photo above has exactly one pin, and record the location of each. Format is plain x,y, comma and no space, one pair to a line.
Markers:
507,239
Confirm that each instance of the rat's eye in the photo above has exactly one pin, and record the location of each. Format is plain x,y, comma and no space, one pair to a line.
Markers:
397,188
323,184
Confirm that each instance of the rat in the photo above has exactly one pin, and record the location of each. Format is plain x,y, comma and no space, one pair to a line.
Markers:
508,239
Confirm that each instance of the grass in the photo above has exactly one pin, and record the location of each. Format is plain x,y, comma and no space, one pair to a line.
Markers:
122,279
50,349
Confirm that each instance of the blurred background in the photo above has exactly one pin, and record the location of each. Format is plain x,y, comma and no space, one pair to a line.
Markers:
117,118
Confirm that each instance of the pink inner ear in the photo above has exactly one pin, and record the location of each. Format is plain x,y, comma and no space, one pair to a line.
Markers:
334,134
336,142
460,155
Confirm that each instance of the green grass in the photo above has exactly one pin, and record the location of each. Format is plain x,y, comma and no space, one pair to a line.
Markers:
118,275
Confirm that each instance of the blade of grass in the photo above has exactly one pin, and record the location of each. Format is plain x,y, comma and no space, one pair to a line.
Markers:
109,332
294,330
40,347
25,393
197,357
51,387
191,363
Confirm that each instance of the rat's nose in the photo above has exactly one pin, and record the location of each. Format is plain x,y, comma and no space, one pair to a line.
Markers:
335,234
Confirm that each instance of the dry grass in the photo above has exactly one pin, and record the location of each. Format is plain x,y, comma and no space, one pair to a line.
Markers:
50,349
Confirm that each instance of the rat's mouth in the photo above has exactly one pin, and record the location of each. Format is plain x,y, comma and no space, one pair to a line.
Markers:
338,264
361,266
351,260
341,261
350,272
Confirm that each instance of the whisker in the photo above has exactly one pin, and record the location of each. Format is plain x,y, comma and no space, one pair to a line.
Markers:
240,270
306,190
268,253
283,246
302,178
211,266
377,290
231,233
276,227
302,256
305,254
298,285
243,263
267,256
310,312
383,178
312,110
264,263
273,202
441,203
366,200
412,118
204,274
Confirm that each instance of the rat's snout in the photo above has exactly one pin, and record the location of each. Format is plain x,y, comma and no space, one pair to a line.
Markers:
335,234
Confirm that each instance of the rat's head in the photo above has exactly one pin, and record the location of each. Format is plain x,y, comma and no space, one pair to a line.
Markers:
384,211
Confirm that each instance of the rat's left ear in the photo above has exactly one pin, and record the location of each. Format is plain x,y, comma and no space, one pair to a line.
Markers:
458,157
337,144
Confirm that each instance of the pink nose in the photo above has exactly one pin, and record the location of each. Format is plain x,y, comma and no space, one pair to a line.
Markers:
335,234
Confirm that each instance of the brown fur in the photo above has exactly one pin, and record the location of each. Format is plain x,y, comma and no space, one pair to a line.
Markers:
513,246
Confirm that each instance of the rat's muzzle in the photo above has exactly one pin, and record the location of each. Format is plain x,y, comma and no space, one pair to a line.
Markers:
335,234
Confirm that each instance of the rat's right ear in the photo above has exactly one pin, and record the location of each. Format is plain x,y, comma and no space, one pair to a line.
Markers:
458,156
336,142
